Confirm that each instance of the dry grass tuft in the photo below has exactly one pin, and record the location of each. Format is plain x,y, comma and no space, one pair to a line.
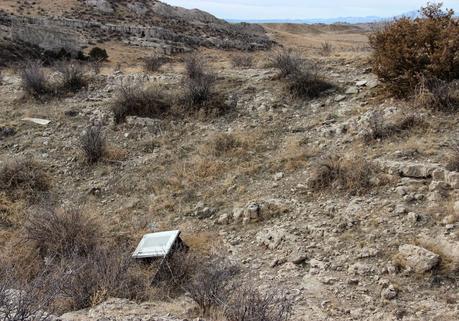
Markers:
223,144
93,144
354,175
23,178
438,95
453,157
243,60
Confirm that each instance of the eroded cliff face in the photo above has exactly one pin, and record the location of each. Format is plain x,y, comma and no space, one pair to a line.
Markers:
147,24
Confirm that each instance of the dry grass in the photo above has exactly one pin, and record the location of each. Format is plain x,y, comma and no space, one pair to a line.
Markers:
222,144
243,60
353,175
453,157
23,179
93,144
438,95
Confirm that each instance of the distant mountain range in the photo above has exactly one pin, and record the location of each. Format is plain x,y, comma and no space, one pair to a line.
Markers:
350,20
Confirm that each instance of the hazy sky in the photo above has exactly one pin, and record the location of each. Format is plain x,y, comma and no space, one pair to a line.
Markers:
298,9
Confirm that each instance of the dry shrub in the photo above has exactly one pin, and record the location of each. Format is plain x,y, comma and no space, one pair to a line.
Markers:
98,54
137,100
379,129
210,285
93,144
195,67
242,60
301,78
406,49
104,273
23,178
173,273
9,212
73,76
326,48
453,157
248,304
354,175
287,61
307,84
21,301
34,80
222,144
155,62
438,95
61,233
199,90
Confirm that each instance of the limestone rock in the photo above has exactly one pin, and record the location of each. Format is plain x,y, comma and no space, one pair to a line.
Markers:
418,258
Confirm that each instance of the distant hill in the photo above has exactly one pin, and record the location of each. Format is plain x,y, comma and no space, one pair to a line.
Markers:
341,20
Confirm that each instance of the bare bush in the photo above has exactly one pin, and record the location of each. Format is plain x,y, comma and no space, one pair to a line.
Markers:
34,81
198,91
93,144
326,48
195,67
287,61
438,95
136,100
406,49
307,84
23,178
248,304
73,76
210,286
354,175
103,273
23,301
61,233
244,60
155,62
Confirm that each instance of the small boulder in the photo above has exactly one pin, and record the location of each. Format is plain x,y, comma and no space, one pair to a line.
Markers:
418,258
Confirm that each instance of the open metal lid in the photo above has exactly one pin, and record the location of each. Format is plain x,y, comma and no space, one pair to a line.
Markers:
156,244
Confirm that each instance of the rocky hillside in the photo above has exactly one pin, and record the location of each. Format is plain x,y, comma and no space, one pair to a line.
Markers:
150,24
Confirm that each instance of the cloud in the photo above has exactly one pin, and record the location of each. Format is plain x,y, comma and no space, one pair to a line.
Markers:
299,9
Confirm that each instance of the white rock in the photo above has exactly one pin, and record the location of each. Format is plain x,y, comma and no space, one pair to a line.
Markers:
418,258
389,293
352,90
340,98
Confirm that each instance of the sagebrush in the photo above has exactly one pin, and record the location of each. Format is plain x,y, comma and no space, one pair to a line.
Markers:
407,49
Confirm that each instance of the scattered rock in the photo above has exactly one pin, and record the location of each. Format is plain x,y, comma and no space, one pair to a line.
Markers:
389,293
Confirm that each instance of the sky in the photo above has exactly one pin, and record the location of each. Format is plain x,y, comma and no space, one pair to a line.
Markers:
305,9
